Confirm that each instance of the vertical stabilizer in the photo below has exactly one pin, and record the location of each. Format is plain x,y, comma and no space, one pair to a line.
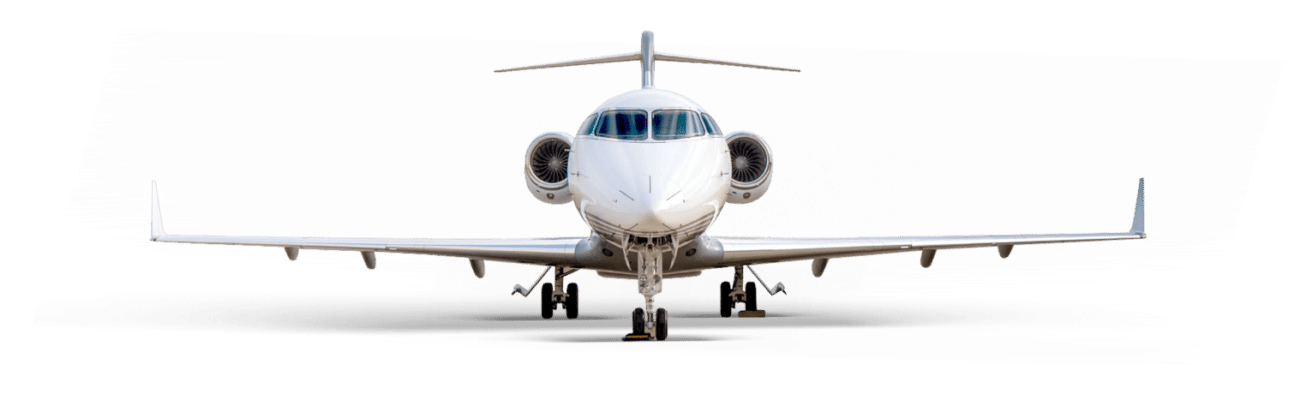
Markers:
647,60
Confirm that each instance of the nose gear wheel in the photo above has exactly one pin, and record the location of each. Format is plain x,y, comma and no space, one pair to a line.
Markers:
661,324
638,321
648,323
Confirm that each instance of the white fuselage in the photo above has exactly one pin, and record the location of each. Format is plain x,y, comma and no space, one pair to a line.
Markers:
649,188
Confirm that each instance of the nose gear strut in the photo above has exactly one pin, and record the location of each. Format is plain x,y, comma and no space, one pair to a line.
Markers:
649,324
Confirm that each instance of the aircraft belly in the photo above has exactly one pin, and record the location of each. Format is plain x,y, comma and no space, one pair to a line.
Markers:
621,275
704,253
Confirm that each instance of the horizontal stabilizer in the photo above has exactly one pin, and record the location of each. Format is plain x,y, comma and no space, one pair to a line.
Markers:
697,60
648,56
637,57
585,61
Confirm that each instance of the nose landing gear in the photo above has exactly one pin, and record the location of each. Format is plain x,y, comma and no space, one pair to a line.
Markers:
639,323
652,325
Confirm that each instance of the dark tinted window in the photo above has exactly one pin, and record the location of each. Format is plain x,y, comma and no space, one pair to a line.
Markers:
676,124
711,126
622,124
585,129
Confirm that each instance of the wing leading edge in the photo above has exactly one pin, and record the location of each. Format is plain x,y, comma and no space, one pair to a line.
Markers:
738,251
559,251
569,251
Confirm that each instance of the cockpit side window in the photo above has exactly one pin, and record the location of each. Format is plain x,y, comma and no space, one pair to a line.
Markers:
585,129
711,126
622,124
676,124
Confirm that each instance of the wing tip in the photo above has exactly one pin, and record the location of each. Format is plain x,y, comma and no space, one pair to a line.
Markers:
156,227
1139,211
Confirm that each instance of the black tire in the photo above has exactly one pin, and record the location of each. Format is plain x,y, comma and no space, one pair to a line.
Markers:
571,303
752,294
638,321
548,306
661,324
725,297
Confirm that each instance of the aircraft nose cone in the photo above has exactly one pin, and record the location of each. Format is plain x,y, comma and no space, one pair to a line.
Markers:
654,214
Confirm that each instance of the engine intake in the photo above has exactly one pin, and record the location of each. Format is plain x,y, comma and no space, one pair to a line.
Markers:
546,168
751,167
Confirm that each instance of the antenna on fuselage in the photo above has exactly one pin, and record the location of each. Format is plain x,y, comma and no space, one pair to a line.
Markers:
648,57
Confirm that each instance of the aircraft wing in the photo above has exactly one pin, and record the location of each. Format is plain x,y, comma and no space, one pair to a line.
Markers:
558,251
743,251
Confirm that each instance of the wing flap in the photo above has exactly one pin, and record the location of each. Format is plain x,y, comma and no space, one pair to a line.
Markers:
740,251
737,251
557,251
560,251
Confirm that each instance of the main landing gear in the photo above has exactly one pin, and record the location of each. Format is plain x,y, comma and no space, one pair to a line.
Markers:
567,299
729,294
564,299
555,296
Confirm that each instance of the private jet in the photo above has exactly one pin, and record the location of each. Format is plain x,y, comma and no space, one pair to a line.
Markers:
649,171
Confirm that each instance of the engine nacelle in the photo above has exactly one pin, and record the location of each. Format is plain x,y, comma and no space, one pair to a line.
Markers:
546,168
751,167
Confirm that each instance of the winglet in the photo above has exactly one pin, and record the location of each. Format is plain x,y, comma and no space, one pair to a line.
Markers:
1139,214
156,230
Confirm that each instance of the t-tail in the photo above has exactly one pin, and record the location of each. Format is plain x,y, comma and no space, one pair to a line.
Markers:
648,56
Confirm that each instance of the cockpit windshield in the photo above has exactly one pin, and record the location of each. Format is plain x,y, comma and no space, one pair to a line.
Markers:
677,124
622,124
711,126
662,125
